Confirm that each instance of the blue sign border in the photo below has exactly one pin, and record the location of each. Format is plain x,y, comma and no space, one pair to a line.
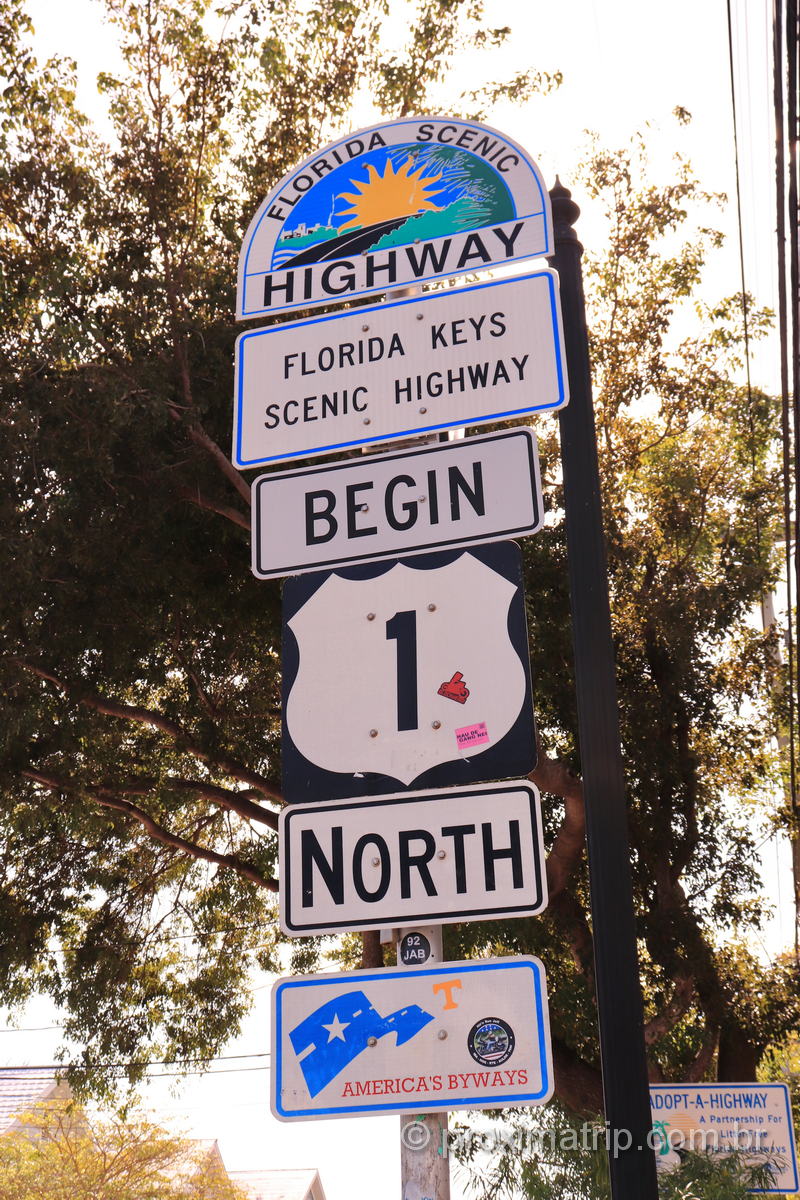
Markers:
417,430
696,1087
362,977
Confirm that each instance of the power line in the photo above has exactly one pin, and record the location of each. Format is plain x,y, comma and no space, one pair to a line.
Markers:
166,1062
739,207
33,1029
207,1074
788,410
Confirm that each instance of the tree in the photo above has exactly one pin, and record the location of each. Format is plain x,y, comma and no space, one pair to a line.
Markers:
139,763
691,498
57,1150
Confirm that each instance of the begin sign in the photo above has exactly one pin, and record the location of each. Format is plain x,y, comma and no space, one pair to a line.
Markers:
477,489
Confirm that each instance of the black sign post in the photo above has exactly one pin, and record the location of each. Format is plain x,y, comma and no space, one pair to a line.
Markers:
619,999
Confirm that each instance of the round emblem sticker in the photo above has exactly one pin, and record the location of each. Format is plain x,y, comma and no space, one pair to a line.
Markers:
491,1041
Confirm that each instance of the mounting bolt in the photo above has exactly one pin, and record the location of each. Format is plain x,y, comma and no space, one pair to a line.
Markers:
442,1034
441,854
373,733
431,607
420,316
372,1041
367,421
364,328
370,616
364,508
436,724
422,499
423,410
376,862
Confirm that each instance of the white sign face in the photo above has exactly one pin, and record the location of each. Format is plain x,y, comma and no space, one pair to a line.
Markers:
478,489
401,202
458,855
457,1035
461,357
718,1118
393,671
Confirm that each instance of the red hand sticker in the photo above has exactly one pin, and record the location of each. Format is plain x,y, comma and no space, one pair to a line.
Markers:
454,689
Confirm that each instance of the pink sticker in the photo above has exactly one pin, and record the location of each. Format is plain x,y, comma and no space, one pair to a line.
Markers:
472,735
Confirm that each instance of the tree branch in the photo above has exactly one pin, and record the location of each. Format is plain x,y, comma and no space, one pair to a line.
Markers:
237,802
570,917
555,777
156,720
697,1069
106,800
578,1084
222,510
199,436
672,1012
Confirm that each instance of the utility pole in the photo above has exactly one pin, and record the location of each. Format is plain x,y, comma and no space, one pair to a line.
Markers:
619,999
424,1162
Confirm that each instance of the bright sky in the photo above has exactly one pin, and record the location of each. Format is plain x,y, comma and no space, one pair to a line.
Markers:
626,66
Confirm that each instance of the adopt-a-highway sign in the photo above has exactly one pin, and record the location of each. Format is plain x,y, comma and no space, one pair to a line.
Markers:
406,673
413,858
719,1119
464,356
456,1035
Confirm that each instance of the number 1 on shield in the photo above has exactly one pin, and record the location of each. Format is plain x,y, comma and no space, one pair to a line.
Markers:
403,629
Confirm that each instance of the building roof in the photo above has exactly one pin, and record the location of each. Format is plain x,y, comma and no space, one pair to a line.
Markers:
301,1184
21,1090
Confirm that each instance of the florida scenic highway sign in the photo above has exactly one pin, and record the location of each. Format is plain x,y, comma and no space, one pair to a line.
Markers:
401,202
457,1035
465,356
477,489
406,673
415,858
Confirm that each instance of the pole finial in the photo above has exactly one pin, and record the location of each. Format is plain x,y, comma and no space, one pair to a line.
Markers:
565,212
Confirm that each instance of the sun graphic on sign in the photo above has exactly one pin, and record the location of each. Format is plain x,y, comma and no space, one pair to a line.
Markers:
400,193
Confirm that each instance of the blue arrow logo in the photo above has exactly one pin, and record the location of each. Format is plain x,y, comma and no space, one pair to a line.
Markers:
330,1038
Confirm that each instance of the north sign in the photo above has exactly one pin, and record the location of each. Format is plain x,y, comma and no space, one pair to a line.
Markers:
409,859
456,1035
464,356
404,673
476,489
401,202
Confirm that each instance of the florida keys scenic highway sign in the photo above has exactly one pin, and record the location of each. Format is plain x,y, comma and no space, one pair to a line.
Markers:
464,356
